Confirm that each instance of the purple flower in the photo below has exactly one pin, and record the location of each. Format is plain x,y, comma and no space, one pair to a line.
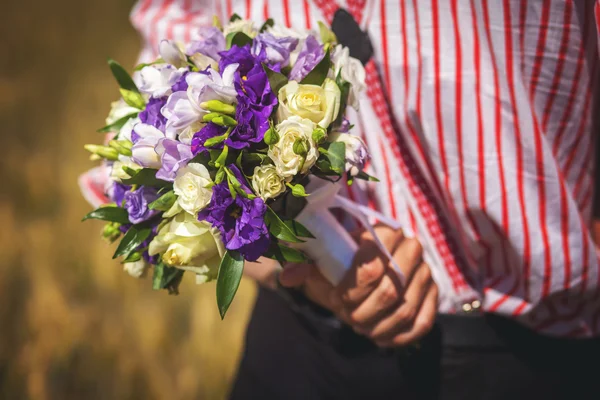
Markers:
152,115
256,91
240,220
210,130
181,85
250,129
311,54
275,51
173,155
117,192
211,44
136,204
238,55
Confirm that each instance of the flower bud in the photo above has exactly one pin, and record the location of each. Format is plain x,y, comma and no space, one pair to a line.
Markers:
319,135
219,119
218,106
300,147
103,151
136,268
271,137
121,147
111,231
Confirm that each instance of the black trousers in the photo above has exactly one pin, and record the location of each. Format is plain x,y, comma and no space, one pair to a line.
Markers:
480,357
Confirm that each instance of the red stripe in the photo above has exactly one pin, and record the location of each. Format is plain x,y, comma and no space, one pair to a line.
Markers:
539,154
229,9
153,26
519,167
585,198
573,95
522,21
307,15
564,48
286,12
248,8
384,49
266,10
388,177
438,94
141,13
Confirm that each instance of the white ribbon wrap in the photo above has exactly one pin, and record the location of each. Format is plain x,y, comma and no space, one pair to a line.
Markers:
333,248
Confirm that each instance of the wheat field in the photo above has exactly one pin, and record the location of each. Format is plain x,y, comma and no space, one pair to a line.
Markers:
73,325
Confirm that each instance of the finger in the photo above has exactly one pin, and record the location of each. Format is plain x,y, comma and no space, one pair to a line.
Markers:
422,325
294,275
404,316
382,301
408,256
369,267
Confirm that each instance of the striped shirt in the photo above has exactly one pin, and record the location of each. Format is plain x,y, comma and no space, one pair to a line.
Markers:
479,117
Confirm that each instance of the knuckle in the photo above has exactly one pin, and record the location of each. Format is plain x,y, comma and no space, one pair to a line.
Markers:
354,318
387,292
424,325
407,313
414,246
369,272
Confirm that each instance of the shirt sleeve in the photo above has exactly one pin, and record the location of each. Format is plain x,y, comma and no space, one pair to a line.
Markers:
177,20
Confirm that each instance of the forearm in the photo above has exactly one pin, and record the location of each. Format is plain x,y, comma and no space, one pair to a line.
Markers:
264,272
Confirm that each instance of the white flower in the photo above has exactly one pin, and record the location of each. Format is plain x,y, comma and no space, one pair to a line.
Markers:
203,61
119,109
356,155
191,189
157,80
352,71
189,244
125,131
186,135
117,173
143,151
183,108
320,104
288,163
172,53
241,25
135,269
267,183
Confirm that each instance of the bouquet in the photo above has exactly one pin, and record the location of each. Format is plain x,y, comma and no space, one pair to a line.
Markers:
228,150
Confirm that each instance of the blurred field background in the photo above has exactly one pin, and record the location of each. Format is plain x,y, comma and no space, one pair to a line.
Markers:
73,325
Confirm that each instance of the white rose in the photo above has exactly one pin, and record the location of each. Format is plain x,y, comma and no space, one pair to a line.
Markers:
172,53
186,135
135,269
267,183
352,71
356,154
241,25
190,186
320,104
157,80
191,245
119,109
288,163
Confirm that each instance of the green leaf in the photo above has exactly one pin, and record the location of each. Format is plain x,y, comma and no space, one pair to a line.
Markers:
109,213
133,99
166,277
164,202
319,73
239,39
363,175
234,18
284,254
132,239
279,229
276,79
344,93
145,177
141,66
228,280
122,76
118,124
298,229
335,153
268,24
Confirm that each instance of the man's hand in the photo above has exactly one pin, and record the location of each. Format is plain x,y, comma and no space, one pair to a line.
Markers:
370,297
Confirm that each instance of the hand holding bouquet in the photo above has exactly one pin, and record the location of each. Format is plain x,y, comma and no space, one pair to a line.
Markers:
212,157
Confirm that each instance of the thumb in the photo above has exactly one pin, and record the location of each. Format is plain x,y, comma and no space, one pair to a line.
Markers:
294,275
